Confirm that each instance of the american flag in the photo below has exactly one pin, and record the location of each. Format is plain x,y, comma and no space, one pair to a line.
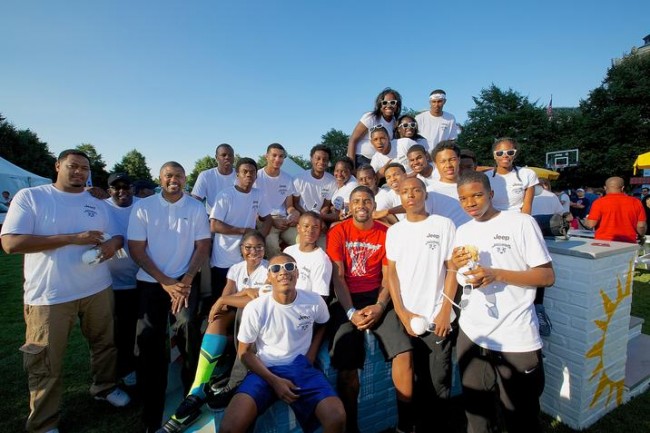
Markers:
549,109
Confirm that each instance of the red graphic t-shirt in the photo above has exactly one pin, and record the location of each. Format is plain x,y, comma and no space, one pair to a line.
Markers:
363,253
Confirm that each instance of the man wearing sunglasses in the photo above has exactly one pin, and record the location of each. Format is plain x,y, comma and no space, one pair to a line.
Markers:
123,271
436,125
419,251
286,327
356,247
499,347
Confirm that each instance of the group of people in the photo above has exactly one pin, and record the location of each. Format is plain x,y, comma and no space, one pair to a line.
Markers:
441,255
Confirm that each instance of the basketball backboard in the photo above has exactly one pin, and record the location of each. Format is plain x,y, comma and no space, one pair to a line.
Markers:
560,159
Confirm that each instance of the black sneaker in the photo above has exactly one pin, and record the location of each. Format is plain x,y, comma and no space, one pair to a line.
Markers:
220,397
188,411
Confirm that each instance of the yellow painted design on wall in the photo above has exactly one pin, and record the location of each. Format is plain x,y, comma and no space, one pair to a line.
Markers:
596,351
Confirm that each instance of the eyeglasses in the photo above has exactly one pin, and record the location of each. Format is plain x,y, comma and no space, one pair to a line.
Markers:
392,103
464,299
289,267
253,247
377,128
411,125
509,152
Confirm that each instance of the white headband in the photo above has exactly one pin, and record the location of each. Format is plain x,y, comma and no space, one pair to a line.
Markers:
437,96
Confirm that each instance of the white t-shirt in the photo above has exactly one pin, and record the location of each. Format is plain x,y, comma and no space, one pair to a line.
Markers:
379,160
419,250
509,189
170,230
209,183
237,209
243,280
386,198
341,197
275,191
282,332
430,181
122,270
315,269
364,146
502,317
58,275
565,201
436,129
313,192
438,203
546,203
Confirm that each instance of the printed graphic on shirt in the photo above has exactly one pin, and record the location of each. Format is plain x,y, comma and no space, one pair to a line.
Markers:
502,244
359,253
432,240
305,322
90,210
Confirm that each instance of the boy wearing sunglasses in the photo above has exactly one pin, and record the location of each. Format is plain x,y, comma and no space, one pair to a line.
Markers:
357,250
437,125
499,347
419,250
286,329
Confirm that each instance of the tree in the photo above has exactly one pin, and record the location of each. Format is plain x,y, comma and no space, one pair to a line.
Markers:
301,161
135,165
25,149
201,164
499,113
97,165
615,125
337,141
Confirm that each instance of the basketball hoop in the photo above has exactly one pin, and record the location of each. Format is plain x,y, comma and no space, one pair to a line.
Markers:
558,167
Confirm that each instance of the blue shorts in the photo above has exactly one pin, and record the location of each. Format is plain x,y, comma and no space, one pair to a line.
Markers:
313,385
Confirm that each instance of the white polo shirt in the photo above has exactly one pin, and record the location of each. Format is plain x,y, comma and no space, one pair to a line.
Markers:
170,230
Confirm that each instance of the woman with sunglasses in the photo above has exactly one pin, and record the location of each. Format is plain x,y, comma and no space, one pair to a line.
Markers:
388,106
514,187
406,134
245,281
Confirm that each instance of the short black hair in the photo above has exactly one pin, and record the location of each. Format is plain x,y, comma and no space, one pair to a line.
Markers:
63,155
474,176
347,161
395,165
363,188
416,148
438,91
445,145
321,148
466,153
172,164
276,146
245,160
226,145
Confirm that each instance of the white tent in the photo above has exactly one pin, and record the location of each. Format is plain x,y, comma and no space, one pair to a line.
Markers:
14,178
290,166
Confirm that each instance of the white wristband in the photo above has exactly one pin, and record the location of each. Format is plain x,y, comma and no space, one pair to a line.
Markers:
350,312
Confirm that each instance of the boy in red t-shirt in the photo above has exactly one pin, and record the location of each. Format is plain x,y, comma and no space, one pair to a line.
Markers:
357,250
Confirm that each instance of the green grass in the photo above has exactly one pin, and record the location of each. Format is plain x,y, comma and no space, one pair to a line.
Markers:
82,414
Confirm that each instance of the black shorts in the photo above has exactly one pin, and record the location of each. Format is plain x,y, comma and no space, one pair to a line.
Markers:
347,349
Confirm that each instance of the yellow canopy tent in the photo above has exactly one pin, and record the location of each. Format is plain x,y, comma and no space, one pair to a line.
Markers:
544,173
642,162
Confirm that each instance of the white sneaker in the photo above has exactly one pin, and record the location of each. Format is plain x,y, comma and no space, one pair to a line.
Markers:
117,398
129,379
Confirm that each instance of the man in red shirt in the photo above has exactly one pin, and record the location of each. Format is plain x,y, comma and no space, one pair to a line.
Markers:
617,216
357,250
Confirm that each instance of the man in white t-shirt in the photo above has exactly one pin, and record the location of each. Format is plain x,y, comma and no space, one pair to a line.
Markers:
123,270
54,225
236,209
443,193
277,189
169,238
388,205
499,347
418,250
419,160
315,267
214,180
286,327
315,187
436,125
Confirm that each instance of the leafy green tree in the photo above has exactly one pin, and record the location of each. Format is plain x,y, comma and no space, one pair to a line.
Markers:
201,164
97,165
135,165
25,149
337,141
615,124
498,113
301,161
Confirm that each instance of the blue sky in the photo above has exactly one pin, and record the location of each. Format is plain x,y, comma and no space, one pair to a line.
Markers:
175,78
